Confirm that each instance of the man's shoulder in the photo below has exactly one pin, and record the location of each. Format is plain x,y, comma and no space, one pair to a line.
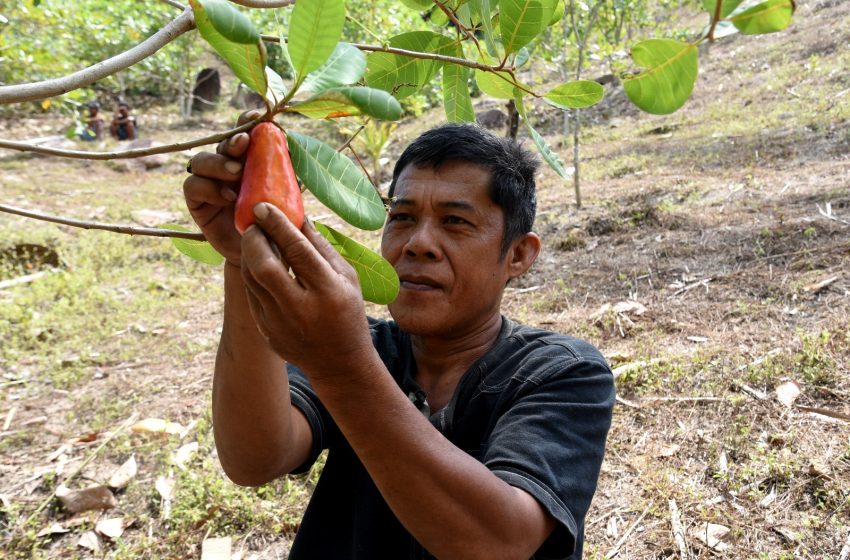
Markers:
543,343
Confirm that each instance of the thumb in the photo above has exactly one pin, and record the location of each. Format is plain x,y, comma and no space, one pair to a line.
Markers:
308,265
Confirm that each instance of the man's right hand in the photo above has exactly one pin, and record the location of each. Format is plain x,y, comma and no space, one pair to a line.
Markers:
212,189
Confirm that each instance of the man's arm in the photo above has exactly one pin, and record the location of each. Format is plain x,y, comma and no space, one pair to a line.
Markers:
450,502
259,435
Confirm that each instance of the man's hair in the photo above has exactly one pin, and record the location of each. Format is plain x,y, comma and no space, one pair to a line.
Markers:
511,168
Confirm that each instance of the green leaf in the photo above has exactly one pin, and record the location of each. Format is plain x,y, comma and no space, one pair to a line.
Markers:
248,61
767,17
520,21
522,57
418,5
577,94
200,251
727,8
336,181
314,30
496,84
345,66
402,75
456,99
548,155
670,76
482,10
277,88
230,22
378,279
348,101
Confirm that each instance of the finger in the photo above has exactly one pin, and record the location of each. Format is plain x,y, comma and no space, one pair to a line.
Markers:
261,261
199,191
235,146
216,166
248,116
308,265
324,247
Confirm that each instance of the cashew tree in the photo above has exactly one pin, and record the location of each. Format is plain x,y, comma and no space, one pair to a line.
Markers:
335,77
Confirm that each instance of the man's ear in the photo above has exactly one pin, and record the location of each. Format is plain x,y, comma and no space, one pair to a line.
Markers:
522,254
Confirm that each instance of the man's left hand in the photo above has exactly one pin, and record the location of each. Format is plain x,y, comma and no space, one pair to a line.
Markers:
306,300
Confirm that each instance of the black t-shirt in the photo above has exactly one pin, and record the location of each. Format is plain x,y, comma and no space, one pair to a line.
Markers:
535,409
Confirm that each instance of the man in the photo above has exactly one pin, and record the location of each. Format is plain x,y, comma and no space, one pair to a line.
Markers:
452,431
123,125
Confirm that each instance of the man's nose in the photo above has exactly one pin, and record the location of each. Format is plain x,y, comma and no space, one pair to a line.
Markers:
423,242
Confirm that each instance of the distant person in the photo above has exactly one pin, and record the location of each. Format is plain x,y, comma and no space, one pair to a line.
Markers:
123,125
94,123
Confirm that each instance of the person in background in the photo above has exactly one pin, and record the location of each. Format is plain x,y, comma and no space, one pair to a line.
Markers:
123,126
94,123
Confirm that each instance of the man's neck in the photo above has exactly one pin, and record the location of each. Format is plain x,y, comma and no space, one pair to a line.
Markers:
442,361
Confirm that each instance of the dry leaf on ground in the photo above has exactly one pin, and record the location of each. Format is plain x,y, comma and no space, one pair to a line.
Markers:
788,392
93,497
124,474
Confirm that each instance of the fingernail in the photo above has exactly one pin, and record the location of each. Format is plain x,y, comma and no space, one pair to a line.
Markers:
261,210
228,194
232,141
233,166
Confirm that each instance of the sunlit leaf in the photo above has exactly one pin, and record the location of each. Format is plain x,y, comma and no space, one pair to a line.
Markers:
520,21
348,101
727,8
456,99
482,10
345,66
230,22
378,279
496,84
248,61
548,155
418,4
200,251
404,75
277,88
577,94
314,31
336,181
767,17
667,82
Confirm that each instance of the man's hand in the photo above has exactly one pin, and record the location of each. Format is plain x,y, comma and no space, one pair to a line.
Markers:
212,189
305,298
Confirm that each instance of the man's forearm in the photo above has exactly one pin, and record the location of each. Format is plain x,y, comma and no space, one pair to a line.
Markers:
253,420
448,500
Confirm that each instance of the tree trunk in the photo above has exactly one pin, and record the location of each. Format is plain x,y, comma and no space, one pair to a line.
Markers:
513,120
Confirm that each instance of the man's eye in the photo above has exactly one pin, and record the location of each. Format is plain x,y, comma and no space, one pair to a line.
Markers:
455,220
400,217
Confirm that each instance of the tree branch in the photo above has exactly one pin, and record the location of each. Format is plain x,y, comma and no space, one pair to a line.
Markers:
115,228
174,3
58,86
127,154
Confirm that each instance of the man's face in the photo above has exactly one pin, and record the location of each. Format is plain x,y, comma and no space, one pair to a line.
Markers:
444,236
123,111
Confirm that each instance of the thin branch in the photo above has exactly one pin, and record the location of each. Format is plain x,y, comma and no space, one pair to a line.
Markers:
58,86
127,154
715,19
353,136
264,3
174,3
115,228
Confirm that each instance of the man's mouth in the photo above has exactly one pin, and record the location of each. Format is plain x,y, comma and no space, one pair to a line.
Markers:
418,283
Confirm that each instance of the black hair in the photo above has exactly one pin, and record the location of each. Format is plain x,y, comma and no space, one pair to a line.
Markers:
123,104
511,167
93,105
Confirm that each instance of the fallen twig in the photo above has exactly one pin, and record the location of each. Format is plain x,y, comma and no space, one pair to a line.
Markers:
829,215
23,279
678,530
616,548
